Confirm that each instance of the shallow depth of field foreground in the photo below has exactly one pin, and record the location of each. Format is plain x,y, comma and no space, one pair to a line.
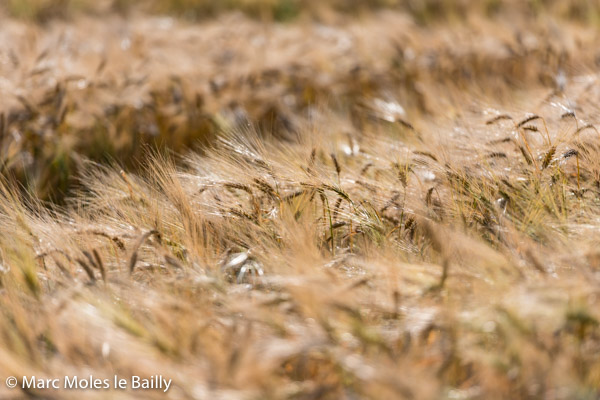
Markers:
289,200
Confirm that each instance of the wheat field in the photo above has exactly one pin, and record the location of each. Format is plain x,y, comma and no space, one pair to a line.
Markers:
276,199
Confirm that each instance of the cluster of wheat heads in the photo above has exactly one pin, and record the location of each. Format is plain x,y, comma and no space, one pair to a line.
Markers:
380,209
404,262
111,87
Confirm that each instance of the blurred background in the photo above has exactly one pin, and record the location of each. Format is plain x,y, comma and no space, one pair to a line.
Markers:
282,10
107,80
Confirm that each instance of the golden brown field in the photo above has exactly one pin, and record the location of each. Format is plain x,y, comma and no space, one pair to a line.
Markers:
277,199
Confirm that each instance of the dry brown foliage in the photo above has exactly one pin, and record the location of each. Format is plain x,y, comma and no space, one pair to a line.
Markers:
375,208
